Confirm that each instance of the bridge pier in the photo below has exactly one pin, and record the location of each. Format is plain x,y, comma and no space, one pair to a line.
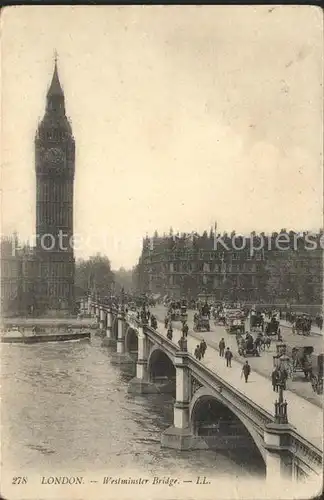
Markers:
108,339
278,459
121,357
179,435
141,383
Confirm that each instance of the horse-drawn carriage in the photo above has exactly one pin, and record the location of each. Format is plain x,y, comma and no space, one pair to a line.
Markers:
219,317
235,325
247,346
256,321
204,309
183,311
272,327
302,325
234,321
301,361
201,323
175,311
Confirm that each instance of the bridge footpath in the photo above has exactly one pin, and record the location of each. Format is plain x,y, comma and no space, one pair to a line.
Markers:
262,365
306,417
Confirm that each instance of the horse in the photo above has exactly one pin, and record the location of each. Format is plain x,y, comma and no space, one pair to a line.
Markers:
265,341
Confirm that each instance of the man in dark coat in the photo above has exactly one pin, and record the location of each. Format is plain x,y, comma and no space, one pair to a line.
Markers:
203,347
197,353
185,329
222,346
246,370
183,344
228,357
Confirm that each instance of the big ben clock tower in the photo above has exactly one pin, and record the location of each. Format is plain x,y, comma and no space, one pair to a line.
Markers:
55,166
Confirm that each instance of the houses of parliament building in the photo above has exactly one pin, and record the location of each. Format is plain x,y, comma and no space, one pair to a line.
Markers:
256,272
40,280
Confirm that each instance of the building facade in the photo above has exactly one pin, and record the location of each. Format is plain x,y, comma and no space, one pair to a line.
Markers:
232,267
11,276
55,167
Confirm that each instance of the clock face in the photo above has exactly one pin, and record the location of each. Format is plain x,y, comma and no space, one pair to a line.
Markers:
54,156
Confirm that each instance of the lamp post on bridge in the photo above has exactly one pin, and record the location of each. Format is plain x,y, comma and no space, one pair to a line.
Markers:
281,362
279,462
281,416
122,301
144,319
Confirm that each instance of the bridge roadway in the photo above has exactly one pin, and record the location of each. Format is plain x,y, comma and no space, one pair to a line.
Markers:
305,416
262,365
314,331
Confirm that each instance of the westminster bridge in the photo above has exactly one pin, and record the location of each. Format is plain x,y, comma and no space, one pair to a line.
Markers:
288,442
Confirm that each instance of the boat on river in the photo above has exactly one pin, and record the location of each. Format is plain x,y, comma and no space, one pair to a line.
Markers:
46,333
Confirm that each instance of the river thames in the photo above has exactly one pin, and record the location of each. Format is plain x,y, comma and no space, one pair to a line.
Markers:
65,408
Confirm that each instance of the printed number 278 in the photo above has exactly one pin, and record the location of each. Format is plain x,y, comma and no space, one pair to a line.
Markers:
19,480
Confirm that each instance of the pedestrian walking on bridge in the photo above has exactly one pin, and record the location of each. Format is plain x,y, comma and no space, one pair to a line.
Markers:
185,329
203,348
183,344
228,357
197,352
222,346
246,370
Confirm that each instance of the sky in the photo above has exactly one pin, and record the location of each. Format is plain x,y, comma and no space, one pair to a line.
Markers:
182,116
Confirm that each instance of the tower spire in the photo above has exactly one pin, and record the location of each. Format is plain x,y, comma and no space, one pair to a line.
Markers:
55,88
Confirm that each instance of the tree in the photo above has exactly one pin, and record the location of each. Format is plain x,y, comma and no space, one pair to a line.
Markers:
124,279
95,275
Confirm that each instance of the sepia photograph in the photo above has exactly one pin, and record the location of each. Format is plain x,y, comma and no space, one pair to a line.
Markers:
161,252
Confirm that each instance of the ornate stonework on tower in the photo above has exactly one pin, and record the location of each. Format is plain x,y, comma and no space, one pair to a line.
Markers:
55,166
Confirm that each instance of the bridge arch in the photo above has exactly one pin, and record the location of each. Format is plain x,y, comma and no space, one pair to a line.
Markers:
160,365
131,339
205,408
